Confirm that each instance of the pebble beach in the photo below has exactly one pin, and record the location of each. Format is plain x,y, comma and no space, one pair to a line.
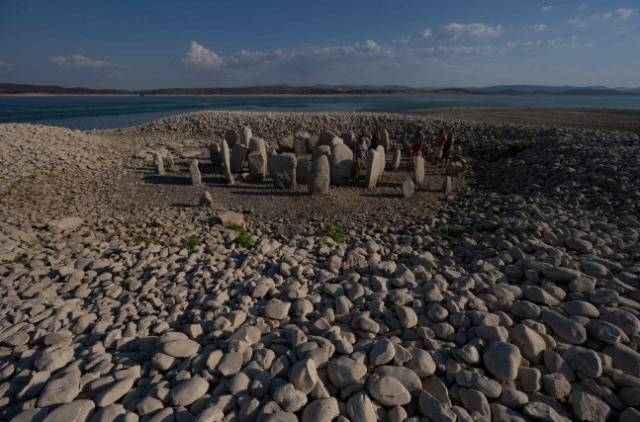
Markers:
511,297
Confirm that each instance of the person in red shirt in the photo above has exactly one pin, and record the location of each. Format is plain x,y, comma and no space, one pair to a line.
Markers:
437,147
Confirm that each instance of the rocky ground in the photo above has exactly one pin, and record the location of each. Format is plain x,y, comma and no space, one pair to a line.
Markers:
514,299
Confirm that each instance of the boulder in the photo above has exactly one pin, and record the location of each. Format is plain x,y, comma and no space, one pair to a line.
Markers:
285,144
446,185
158,164
206,199
312,142
282,170
453,168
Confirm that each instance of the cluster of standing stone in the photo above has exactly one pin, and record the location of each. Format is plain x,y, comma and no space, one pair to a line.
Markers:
317,161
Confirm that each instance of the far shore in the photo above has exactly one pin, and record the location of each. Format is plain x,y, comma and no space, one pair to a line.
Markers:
607,119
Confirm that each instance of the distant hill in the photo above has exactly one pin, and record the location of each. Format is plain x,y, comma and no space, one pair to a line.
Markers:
15,89
320,89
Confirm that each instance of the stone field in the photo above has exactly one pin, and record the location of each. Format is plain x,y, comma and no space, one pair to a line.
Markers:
224,266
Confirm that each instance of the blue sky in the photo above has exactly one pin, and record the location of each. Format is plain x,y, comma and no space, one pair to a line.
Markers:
161,44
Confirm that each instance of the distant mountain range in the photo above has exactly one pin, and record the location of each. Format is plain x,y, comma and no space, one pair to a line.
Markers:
17,89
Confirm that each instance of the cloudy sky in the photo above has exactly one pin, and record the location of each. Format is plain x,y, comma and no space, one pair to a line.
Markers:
421,43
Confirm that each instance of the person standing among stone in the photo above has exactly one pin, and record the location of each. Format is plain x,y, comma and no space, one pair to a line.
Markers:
360,152
447,150
437,147
416,142
375,140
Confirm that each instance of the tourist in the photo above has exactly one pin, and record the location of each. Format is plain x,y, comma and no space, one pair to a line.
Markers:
360,152
416,142
447,150
437,147
375,139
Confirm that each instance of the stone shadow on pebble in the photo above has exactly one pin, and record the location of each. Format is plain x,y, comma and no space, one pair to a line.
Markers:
268,193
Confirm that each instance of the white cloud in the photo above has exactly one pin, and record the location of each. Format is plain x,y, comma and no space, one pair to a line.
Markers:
202,57
583,7
404,40
619,14
546,8
535,28
580,23
454,31
78,60
426,33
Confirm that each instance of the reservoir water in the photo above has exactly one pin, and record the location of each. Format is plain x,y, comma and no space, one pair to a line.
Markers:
104,112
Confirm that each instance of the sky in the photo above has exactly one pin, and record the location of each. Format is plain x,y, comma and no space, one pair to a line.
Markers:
135,44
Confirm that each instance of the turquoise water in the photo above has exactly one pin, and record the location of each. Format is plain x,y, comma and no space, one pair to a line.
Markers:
87,113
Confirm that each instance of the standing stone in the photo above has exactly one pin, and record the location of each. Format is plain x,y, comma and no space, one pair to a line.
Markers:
238,157
282,169
321,150
382,158
158,165
408,188
169,158
196,177
397,156
302,171
226,161
373,169
319,176
245,135
231,136
341,164
258,144
206,199
299,146
257,165
446,185
312,141
349,139
418,171
384,139
215,154
286,143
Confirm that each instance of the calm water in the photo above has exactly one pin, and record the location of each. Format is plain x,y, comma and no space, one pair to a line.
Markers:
86,113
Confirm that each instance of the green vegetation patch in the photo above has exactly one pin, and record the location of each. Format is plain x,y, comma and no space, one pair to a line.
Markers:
192,242
332,231
236,227
244,239
455,230
143,239
19,259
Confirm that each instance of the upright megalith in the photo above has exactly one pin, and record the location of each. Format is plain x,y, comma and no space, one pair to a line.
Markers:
341,164
282,170
326,137
226,161
382,158
257,165
238,157
418,171
373,169
215,154
286,143
245,135
319,176
408,187
349,139
196,176
397,156
446,185
384,139
232,137
170,163
312,141
158,164
302,171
